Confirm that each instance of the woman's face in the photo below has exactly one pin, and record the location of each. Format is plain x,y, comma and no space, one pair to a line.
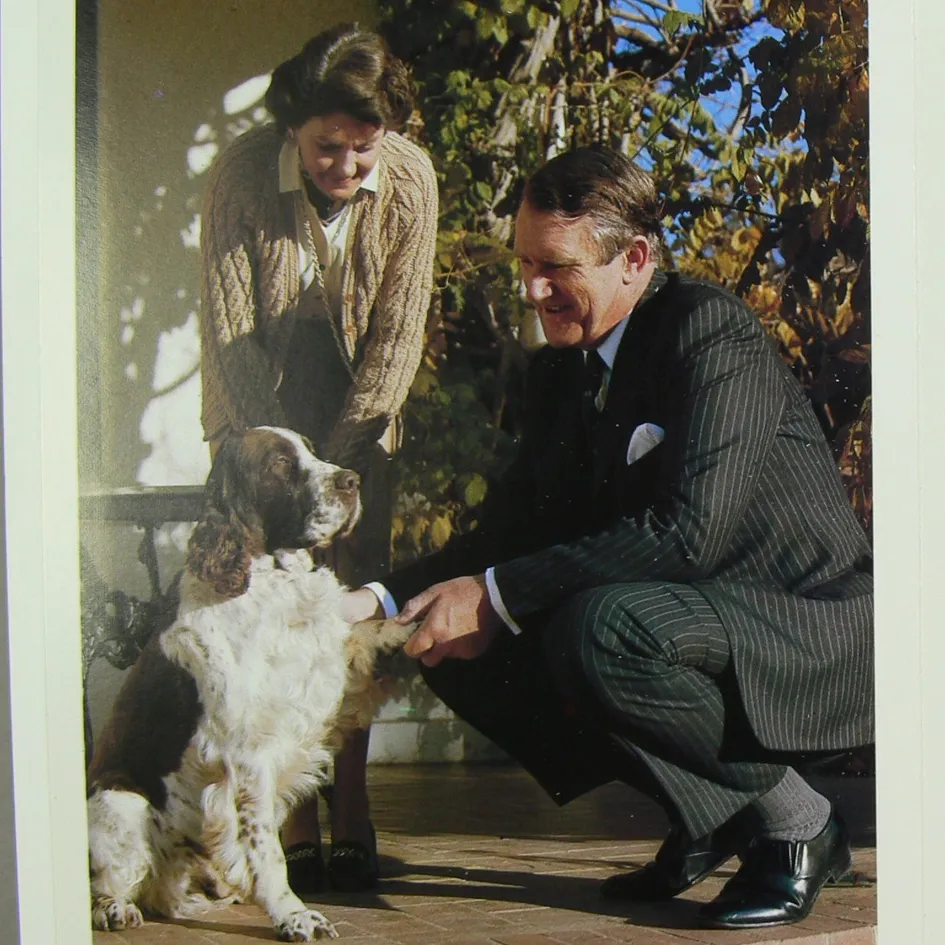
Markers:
338,152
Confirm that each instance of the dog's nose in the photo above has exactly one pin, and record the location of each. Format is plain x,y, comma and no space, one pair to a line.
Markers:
347,480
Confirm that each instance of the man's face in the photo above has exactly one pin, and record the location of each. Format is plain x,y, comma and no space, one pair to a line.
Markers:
578,298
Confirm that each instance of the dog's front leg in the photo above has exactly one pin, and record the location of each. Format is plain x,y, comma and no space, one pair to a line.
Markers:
365,689
368,638
257,835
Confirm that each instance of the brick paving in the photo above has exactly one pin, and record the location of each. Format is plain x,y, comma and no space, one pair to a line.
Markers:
477,855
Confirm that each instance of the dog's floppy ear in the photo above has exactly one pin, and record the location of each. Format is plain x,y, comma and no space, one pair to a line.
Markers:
218,551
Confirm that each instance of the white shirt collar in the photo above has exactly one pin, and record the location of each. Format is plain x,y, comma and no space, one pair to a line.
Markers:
290,173
607,349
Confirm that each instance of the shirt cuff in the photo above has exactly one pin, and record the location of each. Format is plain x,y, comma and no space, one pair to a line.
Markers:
383,595
495,598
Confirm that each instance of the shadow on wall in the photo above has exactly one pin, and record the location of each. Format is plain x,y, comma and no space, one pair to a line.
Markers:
162,89
158,330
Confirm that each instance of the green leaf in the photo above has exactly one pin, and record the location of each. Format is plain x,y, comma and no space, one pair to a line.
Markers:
475,491
424,382
485,24
534,16
763,52
440,531
483,191
720,83
483,98
786,117
673,21
569,8
457,175
770,85
417,528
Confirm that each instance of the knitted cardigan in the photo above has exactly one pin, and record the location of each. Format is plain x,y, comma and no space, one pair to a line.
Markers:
251,289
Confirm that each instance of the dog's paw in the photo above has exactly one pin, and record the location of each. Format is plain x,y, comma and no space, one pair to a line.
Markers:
369,638
298,560
112,915
306,926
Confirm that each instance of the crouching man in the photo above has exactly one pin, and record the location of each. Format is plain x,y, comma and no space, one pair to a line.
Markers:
669,587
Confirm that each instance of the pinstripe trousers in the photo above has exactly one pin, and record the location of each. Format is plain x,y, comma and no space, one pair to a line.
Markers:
627,682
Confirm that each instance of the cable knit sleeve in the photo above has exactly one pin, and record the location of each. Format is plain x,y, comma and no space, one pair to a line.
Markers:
239,380
394,343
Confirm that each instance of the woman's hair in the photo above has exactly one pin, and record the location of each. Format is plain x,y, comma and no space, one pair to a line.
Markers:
343,69
618,197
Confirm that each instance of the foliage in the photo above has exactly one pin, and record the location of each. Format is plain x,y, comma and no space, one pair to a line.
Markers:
753,119
450,445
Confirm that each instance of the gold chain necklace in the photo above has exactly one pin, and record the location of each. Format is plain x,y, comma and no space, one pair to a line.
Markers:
302,214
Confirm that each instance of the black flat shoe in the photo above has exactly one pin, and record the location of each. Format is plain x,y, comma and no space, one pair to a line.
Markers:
352,867
680,863
779,880
305,868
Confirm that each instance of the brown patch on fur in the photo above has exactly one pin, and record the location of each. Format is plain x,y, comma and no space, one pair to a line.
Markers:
217,555
207,883
221,547
154,717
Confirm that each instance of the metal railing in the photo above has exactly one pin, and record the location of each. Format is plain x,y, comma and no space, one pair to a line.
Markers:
116,625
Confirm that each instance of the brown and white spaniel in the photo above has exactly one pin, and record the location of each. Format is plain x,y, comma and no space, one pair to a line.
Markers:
231,714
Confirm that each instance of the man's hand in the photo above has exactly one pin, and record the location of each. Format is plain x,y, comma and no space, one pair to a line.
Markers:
458,621
359,605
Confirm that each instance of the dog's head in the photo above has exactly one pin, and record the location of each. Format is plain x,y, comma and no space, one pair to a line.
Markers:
267,490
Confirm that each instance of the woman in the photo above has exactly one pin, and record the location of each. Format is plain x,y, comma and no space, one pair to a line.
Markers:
317,242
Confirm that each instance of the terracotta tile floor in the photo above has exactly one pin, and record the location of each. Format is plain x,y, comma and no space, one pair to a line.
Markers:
477,855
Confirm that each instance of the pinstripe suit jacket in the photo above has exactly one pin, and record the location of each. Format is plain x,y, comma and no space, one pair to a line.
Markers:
742,499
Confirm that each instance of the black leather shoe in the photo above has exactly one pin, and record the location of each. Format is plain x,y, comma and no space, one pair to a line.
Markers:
680,863
779,880
352,867
305,868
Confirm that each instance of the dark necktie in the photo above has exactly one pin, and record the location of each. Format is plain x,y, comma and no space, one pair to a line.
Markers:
594,370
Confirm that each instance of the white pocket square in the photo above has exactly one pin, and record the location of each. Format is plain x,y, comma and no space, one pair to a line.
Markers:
644,438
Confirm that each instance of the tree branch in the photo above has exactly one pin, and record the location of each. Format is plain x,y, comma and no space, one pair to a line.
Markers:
654,5
640,38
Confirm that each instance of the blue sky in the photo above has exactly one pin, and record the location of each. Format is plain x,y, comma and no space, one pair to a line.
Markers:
722,106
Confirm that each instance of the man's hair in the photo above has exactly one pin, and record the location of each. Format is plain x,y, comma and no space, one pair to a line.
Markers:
343,69
618,197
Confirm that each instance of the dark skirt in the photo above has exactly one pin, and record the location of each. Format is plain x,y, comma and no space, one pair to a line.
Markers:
315,384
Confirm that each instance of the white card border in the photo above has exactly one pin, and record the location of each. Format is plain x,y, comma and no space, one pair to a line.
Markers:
40,697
